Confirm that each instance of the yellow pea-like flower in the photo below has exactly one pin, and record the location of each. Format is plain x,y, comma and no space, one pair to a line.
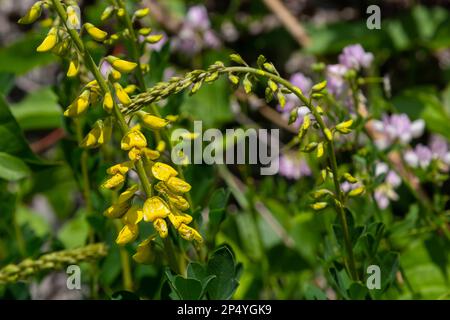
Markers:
177,185
160,226
134,154
121,94
144,251
73,69
33,14
130,89
344,127
178,219
155,208
95,32
151,154
108,102
128,234
132,216
162,171
122,168
72,17
99,135
123,66
127,194
141,13
145,31
49,42
117,210
189,233
79,106
116,75
176,200
152,39
356,192
153,122
133,139
319,205
114,181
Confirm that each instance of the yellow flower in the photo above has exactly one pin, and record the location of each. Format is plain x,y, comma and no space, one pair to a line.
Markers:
95,32
116,75
161,227
319,205
145,31
141,13
178,219
153,122
114,181
133,138
320,150
123,66
178,201
189,233
49,42
161,146
73,69
33,14
79,106
121,94
108,102
128,234
154,38
122,168
72,17
177,185
144,251
128,194
117,210
99,135
162,171
155,208
328,134
151,154
130,88
344,127
356,192
134,154
133,216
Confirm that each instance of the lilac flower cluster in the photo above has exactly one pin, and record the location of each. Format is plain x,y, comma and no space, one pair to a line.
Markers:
293,166
396,128
422,155
385,192
196,33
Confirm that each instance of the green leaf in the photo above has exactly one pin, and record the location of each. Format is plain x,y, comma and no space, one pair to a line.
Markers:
39,110
223,266
75,232
188,288
217,205
36,222
12,168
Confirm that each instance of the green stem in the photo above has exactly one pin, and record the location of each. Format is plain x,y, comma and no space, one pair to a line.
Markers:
125,263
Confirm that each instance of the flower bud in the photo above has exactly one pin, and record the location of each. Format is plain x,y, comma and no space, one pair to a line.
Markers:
178,219
145,31
114,181
344,127
122,168
121,65
189,233
121,94
117,210
95,32
73,69
151,154
33,14
144,252
160,226
79,106
128,234
356,192
177,185
153,122
154,38
49,42
108,102
328,134
350,178
107,13
141,13
127,194
162,171
319,86
320,150
319,205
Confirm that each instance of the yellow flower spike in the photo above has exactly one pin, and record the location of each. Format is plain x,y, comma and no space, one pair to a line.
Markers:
132,216
33,14
178,219
117,210
162,171
133,139
151,154
121,65
153,122
161,147
160,226
344,127
128,234
79,106
144,251
121,94
152,39
128,194
319,205
49,42
108,102
177,185
141,13
320,150
145,31
95,32
134,154
130,89
189,233
155,208
356,192
122,168
73,69
114,181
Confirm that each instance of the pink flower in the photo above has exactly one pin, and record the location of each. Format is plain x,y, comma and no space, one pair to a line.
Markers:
293,167
354,57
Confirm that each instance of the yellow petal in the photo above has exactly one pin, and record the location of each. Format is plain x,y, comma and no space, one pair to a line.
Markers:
155,208
108,102
128,194
144,252
189,233
33,14
122,168
128,234
133,216
161,146
121,65
132,139
121,94
117,210
95,32
178,219
160,226
73,69
134,154
79,106
154,38
49,42
177,185
151,154
154,122
162,171
114,181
